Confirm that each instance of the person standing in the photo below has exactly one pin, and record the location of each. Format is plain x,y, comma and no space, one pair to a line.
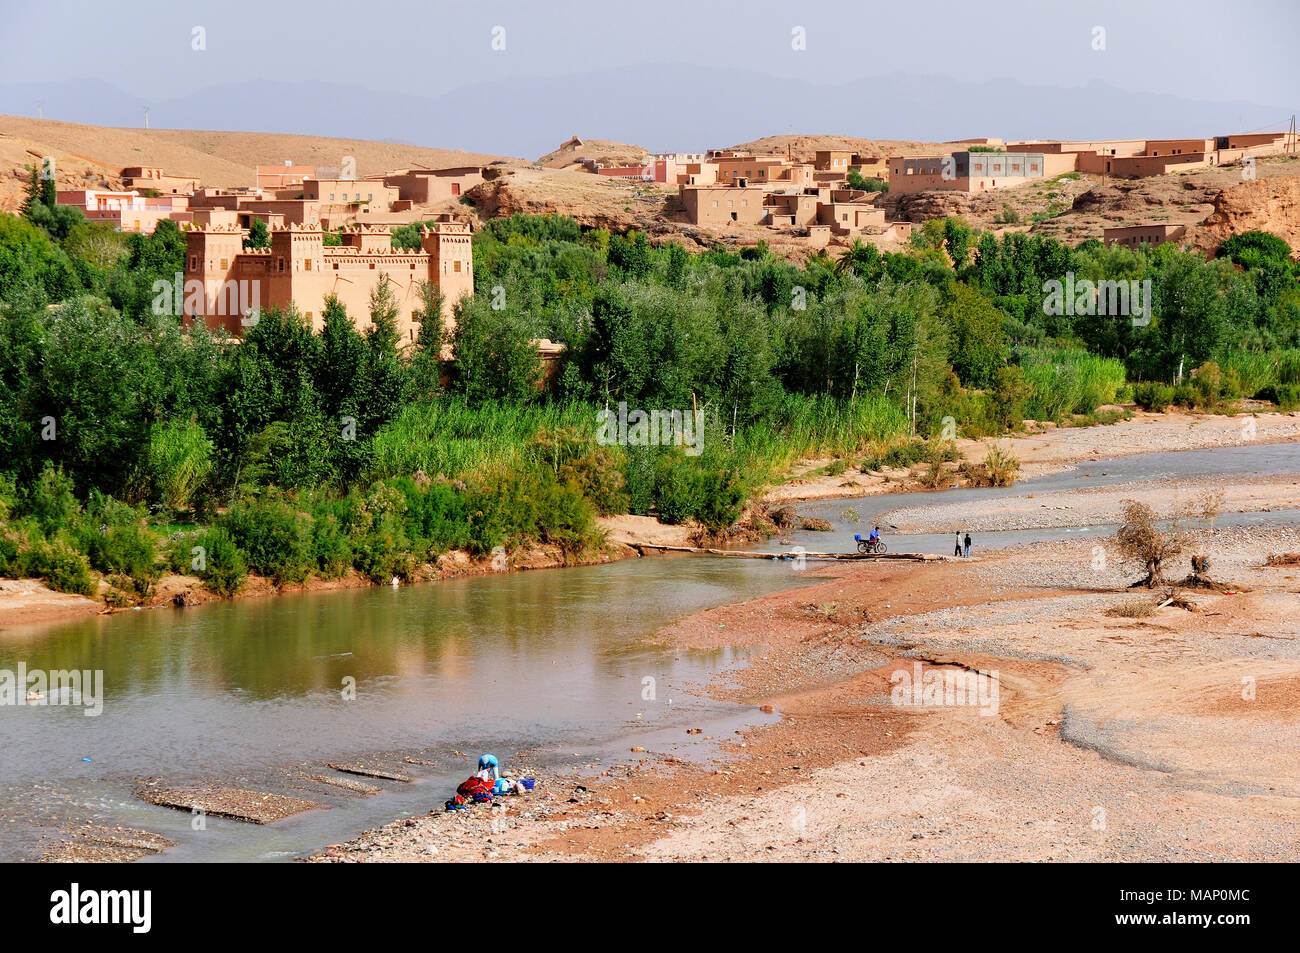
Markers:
956,546
967,547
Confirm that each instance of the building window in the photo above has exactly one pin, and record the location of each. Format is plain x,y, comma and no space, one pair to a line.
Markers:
280,263
331,196
306,264
455,265
225,263
194,262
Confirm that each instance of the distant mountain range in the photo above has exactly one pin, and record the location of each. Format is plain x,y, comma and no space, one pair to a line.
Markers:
669,107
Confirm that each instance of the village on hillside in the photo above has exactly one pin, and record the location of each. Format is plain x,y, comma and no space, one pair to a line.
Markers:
298,231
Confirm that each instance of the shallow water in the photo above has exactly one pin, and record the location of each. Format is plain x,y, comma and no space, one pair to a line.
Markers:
1248,460
551,660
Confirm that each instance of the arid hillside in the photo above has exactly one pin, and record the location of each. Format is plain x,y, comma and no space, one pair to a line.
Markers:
89,156
1075,207
806,146
1213,203
594,150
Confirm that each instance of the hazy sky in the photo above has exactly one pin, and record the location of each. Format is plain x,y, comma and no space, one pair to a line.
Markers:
1202,49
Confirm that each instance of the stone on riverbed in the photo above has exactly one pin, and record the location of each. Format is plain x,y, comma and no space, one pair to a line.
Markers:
256,807
367,771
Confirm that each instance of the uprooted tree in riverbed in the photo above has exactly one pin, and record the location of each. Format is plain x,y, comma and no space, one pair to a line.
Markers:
1142,539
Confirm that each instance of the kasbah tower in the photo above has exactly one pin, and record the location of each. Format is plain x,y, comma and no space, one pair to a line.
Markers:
300,269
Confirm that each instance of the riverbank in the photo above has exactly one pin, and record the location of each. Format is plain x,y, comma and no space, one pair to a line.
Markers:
1043,452
1121,731
1046,449
30,601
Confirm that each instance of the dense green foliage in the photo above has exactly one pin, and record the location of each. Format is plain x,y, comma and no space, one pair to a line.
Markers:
126,438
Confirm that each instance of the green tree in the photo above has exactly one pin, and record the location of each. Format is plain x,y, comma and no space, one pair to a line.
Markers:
384,371
259,236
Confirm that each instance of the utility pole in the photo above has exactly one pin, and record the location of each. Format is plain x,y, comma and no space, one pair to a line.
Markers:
40,111
146,117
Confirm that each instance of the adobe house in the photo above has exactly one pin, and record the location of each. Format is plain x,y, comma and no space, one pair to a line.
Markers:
972,171
850,218
429,186
1132,236
795,209
833,160
299,269
740,204
327,203
775,171
139,178
283,176
126,211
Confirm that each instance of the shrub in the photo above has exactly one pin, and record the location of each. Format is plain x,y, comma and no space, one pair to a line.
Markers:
639,480
274,539
1001,464
116,539
1285,396
50,500
8,497
177,461
895,456
677,492
720,497
383,552
595,469
8,556
1187,395
330,547
1139,609
1151,395
179,555
1142,540
223,567
61,566
438,513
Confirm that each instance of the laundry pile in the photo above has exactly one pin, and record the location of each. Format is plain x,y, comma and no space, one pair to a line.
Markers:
485,784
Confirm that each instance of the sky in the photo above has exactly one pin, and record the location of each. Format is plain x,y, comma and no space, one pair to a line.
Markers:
1200,49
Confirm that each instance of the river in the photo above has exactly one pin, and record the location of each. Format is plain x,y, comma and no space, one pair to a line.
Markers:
254,692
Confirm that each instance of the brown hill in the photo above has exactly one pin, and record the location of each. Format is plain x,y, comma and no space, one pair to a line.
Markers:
87,156
804,146
595,150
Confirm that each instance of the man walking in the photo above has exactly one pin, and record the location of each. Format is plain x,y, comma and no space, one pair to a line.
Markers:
967,548
956,546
